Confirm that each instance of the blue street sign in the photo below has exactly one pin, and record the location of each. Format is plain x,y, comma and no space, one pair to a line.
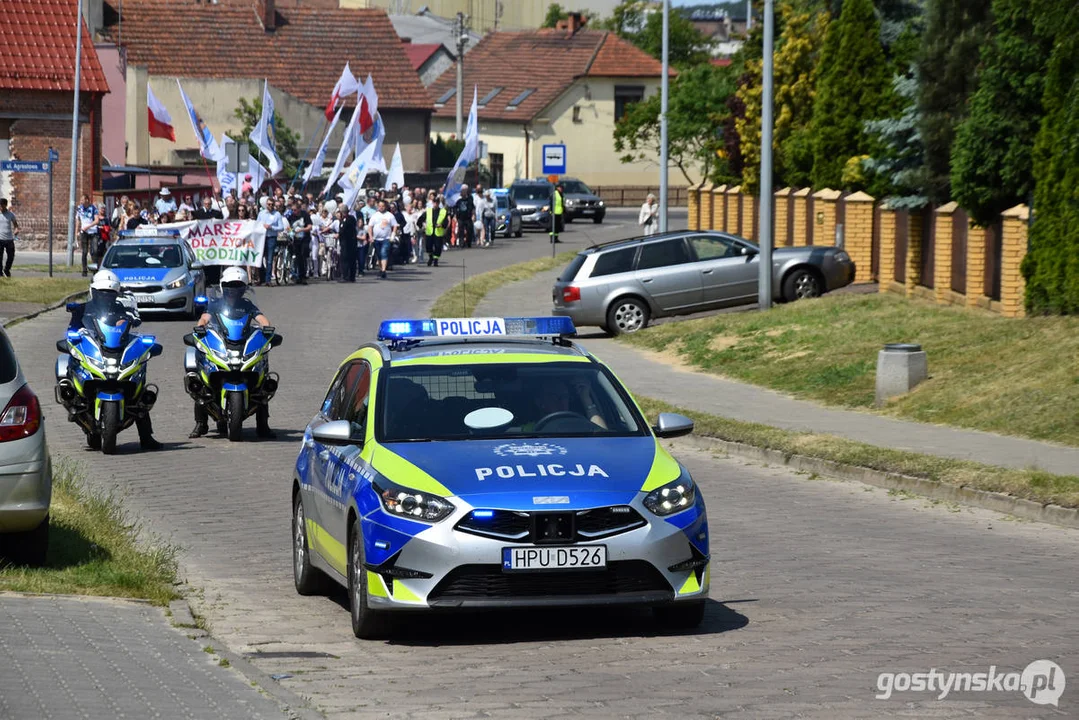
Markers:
32,166
554,159
53,156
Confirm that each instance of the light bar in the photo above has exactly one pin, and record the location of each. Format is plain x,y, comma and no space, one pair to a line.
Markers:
476,328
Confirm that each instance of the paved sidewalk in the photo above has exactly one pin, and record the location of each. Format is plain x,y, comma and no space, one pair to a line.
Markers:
75,657
647,375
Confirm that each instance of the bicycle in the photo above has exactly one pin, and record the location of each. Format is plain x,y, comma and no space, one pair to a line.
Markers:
283,265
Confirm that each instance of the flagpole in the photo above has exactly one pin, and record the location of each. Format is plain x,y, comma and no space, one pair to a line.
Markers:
310,143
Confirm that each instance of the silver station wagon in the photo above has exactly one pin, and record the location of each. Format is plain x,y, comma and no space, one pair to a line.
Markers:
621,285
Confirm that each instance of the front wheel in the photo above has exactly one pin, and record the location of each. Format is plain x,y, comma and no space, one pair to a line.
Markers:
110,426
235,412
597,219
367,624
801,284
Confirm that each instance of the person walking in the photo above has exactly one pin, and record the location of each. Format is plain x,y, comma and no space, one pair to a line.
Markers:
556,213
412,217
165,204
270,218
465,212
434,221
88,218
9,232
381,229
300,221
489,219
347,237
648,218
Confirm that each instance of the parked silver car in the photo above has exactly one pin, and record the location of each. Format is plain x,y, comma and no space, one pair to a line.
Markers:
621,285
25,468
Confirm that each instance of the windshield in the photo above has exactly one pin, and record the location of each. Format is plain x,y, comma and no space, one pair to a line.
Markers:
576,187
107,319
140,257
502,202
530,192
494,401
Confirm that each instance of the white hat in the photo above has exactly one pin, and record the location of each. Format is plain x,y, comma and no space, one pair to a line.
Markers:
164,191
105,280
234,274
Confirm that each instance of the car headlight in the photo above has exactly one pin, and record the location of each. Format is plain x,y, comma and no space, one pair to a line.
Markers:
673,497
545,208
600,203
179,282
415,505
842,256
570,203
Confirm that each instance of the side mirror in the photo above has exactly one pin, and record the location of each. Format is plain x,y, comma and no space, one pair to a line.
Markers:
268,330
749,252
189,340
276,340
335,432
92,266
672,425
156,349
72,306
63,347
196,266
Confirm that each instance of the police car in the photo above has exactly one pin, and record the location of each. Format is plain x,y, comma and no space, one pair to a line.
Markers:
491,462
159,269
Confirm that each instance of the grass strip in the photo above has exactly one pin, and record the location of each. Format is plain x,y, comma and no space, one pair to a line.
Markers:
40,290
461,300
1014,376
94,549
1036,485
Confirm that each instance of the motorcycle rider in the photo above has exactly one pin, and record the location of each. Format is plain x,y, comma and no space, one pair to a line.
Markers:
234,282
105,290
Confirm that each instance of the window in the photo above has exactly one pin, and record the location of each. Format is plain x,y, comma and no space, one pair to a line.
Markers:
520,98
613,262
357,397
576,113
495,160
624,97
445,97
576,186
9,366
710,247
663,254
338,404
570,273
490,96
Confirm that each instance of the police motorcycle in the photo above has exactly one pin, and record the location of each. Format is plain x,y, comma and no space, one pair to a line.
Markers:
227,365
101,369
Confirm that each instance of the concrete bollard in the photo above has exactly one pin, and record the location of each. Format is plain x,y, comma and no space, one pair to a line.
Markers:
900,367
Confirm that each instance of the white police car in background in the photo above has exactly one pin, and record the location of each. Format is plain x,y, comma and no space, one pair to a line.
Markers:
159,269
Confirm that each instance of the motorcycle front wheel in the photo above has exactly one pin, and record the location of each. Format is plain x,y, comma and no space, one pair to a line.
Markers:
110,426
235,416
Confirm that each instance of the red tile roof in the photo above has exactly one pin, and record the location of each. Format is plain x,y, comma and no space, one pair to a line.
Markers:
37,48
419,53
303,55
544,61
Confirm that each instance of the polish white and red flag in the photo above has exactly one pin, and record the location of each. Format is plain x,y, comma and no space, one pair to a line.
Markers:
160,122
346,85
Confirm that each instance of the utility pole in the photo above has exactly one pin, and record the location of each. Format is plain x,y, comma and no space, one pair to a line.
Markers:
767,198
462,40
75,139
663,119
749,16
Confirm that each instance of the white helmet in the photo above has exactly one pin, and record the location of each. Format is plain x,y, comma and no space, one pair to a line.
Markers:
234,275
105,280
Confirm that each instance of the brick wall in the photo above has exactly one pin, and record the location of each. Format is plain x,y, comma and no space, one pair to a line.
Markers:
30,139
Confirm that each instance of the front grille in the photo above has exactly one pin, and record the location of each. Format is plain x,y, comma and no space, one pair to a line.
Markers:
474,582
147,290
548,527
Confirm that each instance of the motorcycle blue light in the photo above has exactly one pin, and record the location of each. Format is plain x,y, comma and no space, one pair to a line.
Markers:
483,514
148,339
201,300
73,335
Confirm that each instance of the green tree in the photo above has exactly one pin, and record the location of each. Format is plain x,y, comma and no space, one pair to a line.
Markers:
852,87
947,71
795,74
555,12
1051,266
249,113
992,159
686,45
697,106
444,152
897,171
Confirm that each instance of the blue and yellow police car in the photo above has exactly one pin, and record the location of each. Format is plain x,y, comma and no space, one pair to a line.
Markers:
491,462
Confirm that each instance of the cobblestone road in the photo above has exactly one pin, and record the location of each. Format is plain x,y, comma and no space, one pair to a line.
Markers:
818,585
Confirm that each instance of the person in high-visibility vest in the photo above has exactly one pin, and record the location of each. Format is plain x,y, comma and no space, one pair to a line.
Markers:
556,213
435,221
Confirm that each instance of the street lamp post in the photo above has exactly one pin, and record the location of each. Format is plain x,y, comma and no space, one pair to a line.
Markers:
663,119
74,140
764,286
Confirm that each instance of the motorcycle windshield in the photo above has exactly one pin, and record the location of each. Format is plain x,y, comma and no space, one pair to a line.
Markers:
232,320
109,321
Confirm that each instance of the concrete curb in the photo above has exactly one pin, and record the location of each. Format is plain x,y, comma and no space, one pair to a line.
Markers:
29,316
998,502
295,706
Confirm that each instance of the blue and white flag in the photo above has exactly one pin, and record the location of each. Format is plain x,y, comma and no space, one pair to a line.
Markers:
315,168
264,135
208,147
357,172
347,144
396,173
456,179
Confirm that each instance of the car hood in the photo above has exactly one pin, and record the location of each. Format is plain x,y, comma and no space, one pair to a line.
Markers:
554,473
149,275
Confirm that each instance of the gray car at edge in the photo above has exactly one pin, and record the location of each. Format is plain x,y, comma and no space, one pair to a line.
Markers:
623,284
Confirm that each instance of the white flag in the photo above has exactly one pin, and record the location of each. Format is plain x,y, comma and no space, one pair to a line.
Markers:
356,174
396,173
374,136
208,147
315,168
346,85
342,154
264,135
456,179
225,179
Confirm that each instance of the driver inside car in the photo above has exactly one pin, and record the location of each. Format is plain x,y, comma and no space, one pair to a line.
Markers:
555,397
